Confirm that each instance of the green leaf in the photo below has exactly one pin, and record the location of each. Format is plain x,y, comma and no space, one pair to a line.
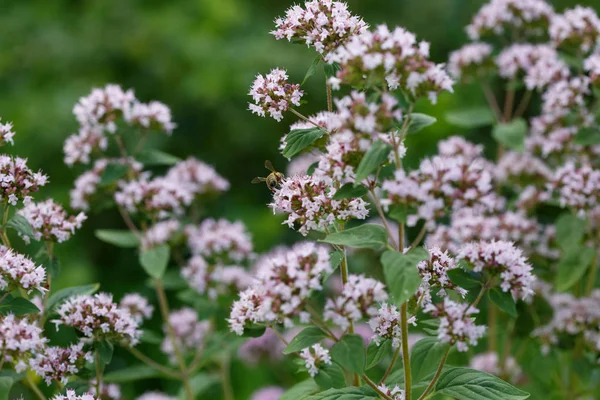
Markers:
511,134
426,356
153,157
52,265
151,337
375,354
131,374
373,158
330,376
312,168
125,239
307,337
59,297
475,117
363,236
299,139
587,136
349,352
350,191
347,393
6,383
155,260
418,122
400,212
17,306
335,259
312,69
200,383
430,326
569,231
254,331
105,351
20,224
331,69
504,301
112,173
401,273
572,267
301,390
463,278
469,384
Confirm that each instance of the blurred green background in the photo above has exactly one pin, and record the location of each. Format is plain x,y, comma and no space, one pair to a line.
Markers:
199,57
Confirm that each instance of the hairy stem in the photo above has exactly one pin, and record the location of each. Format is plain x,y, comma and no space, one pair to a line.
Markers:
153,364
375,388
491,99
388,371
329,96
38,393
383,219
419,237
436,376
405,352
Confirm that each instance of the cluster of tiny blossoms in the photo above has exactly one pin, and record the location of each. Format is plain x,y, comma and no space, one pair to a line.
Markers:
213,279
50,221
189,332
471,61
59,363
310,204
137,305
6,133
220,241
20,272
394,393
20,340
17,181
576,187
160,233
273,94
386,325
576,29
285,281
392,58
322,24
98,317
314,357
72,395
434,272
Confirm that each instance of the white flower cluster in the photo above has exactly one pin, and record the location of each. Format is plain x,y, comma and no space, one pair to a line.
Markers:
456,323
538,65
322,24
220,241
108,391
359,299
268,393
155,396
489,362
390,58
501,258
215,279
273,94
521,168
59,363
285,281
314,357
72,395
19,341
6,133
50,221
577,28
386,325
190,333
308,200
98,317
17,181
19,272
576,187
565,95
498,17
78,148
137,306
441,184
201,177
471,61
268,346
394,393
160,233
459,146
434,272
591,65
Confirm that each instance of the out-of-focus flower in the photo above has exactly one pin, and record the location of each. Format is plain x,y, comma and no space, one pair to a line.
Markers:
160,233
137,305
154,115
268,393
50,221
20,272
576,187
6,133
489,362
213,279
108,391
220,241
103,106
268,346
72,395
472,61
59,363
576,29
17,181
79,146
592,66
459,146
202,177
273,94
156,396
314,357
190,333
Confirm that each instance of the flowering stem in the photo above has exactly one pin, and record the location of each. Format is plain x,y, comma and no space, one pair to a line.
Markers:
436,376
405,352
153,364
38,393
523,104
492,345
128,221
225,378
329,101
383,218
4,221
279,335
419,237
164,309
509,101
302,117
121,146
316,319
391,366
491,99
375,388
98,372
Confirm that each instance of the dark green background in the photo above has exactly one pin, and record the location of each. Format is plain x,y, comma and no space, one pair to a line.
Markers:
199,57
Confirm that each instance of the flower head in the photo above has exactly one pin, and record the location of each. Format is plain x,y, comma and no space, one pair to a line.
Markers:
137,305
6,133
202,177
434,272
17,181
273,94
50,221
471,61
72,395
19,272
314,357
59,363
190,333
20,340
576,29
220,241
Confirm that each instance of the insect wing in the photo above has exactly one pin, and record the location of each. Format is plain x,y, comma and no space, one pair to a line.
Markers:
258,179
269,166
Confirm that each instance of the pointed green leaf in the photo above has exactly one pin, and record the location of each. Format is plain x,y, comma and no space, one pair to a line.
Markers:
572,267
17,306
347,393
105,351
511,134
131,374
299,139
587,136
112,173
418,122
153,157
373,158
155,260
470,384
470,118
349,352
330,376
363,236
20,224
401,273
307,337
59,297
350,191
375,353
504,301
463,278
119,238
570,231
331,69
6,383
301,390
312,69
426,356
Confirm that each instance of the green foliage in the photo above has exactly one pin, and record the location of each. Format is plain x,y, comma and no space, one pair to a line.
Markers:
17,306
572,266
5,385
155,260
307,337
299,139
504,301
20,224
469,384
300,390
330,376
475,117
350,353
131,374
125,239
373,158
363,236
511,134
588,136
348,393
425,357
112,173
419,122
59,297
312,69
466,279
105,350
401,272
200,383
153,157
569,231
349,191
376,353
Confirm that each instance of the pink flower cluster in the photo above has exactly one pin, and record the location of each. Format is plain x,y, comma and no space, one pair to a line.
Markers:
137,306
391,58
322,24
50,221
576,187
17,181
314,357
72,395
220,241
20,272
160,233
471,61
189,332
213,279
156,396
59,363
285,281
386,325
20,340
434,272
6,133
273,94
266,347
199,176
489,362
576,29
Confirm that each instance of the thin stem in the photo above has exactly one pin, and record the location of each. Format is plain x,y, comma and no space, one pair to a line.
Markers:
121,145
509,101
401,234
153,364
592,276
38,393
226,379
164,309
419,237
128,221
479,296
329,97
405,352
3,297
279,335
523,103
98,372
436,376
302,117
318,321
3,234
391,366
375,388
491,99
492,342
140,145
383,219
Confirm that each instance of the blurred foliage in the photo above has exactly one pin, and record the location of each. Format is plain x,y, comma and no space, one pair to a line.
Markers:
199,57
